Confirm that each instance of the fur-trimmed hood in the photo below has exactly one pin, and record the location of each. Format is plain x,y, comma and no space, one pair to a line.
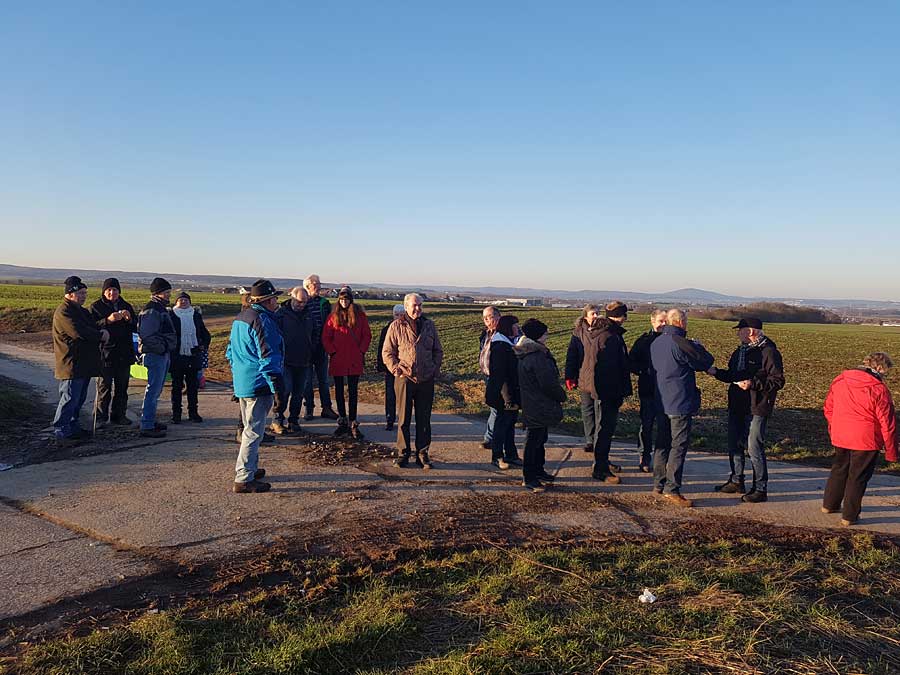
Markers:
527,346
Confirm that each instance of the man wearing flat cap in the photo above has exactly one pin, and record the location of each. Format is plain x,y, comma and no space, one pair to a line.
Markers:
156,342
256,354
118,317
76,348
754,375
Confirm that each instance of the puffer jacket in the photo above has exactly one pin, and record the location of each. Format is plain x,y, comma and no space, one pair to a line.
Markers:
860,413
414,354
119,349
256,353
156,332
502,389
542,396
673,360
345,346
76,342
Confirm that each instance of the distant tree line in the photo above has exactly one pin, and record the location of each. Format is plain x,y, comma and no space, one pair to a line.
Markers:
771,312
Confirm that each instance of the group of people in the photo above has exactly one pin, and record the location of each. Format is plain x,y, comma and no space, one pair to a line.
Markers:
99,342
281,351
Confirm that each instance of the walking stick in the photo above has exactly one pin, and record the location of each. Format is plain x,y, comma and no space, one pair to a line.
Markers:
96,401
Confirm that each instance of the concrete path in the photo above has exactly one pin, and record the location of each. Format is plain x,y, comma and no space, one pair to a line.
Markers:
90,522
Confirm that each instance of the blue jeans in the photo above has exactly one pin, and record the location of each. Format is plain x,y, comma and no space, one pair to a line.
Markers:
749,430
253,415
489,428
318,374
295,378
504,442
157,366
72,394
672,441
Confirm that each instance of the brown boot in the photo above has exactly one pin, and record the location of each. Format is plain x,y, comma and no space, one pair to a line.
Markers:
251,486
676,499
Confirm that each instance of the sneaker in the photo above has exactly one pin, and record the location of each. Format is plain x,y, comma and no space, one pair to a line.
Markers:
328,414
260,473
309,416
501,464
402,461
194,417
730,487
534,485
755,497
549,477
153,433
676,499
251,486
825,509
355,432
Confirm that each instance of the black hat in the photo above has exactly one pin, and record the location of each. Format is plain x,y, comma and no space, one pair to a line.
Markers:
184,294
346,290
749,322
74,284
112,282
262,289
616,309
159,285
534,329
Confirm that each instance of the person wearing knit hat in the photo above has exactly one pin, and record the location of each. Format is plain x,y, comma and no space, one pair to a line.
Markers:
542,398
117,316
157,341
187,359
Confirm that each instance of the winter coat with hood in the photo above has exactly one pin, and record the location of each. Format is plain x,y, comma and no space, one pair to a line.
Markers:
540,391
256,353
860,413
156,332
203,336
119,349
346,346
597,359
412,349
674,360
764,367
76,342
502,389
297,330
639,358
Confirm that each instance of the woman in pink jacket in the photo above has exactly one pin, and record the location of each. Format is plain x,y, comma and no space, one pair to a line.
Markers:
861,421
346,336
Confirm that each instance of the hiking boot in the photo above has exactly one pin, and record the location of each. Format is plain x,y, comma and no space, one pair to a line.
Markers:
402,461
195,417
588,448
355,432
251,486
260,473
423,460
487,445
309,416
825,509
329,414
153,433
176,418
534,485
754,497
676,499
543,475
501,464
730,487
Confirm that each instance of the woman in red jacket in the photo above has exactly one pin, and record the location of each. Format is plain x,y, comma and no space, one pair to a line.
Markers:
346,337
861,421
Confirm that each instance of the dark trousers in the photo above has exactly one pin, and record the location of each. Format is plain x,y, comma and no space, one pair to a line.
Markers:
748,431
533,462
850,475
184,371
599,418
352,394
294,378
672,441
318,376
503,443
113,386
418,395
645,437
390,398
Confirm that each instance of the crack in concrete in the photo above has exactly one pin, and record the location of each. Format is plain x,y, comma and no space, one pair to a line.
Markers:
39,546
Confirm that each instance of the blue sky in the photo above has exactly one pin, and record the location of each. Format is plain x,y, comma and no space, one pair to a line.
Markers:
746,148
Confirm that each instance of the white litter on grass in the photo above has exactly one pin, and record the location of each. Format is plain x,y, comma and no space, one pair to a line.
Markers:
5,467
646,597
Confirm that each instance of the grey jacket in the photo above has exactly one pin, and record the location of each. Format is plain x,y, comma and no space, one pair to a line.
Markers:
156,332
542,395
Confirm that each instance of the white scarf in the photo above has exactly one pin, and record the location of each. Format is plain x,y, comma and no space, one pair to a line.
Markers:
188,329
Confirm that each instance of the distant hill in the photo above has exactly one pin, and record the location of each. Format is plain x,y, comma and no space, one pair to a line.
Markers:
772,312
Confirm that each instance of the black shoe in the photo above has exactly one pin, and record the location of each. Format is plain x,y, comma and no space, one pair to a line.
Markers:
328,414
153,433
176,419
159,426
487,445
267,439
755,497
309,416
251,486
68,441
194,417
514,460
389,426
534,485
544,476
402,461
588,448
645,468
260,473
730,487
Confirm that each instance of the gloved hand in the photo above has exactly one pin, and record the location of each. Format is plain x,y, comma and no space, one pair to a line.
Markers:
279,400
571,384
278,384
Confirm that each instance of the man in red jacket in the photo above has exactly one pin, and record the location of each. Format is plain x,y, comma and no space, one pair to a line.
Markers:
861,421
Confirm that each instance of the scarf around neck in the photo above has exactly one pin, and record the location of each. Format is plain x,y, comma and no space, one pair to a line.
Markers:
188,330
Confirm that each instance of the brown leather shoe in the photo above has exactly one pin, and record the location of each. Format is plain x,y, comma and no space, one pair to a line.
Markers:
678,500
251,486
609,479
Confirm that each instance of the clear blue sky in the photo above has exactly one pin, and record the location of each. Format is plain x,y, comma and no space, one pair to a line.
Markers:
749,148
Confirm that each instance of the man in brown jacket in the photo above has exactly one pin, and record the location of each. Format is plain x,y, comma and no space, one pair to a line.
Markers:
412,352
76,347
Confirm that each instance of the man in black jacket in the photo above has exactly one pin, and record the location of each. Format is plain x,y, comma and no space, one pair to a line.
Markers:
297,330
114,314
640,366
755,374
390,396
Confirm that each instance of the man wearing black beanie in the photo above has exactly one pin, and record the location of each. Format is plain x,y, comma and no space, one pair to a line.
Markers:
118,317
156,342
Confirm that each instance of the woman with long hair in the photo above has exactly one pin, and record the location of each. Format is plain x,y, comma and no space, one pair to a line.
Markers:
346,336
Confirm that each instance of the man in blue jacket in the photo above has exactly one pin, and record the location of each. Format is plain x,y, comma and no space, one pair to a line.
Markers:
674,360
256,354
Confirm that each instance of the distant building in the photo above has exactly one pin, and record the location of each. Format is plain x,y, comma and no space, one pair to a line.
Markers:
561,305
524,302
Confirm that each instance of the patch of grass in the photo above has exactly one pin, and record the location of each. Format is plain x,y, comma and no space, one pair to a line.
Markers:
17,405
724,605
